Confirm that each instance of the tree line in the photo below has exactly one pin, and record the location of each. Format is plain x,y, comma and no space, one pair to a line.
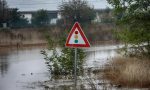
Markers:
11,16
133,19
71,11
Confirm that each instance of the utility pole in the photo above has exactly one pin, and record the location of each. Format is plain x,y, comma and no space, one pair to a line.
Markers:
3,14
3,11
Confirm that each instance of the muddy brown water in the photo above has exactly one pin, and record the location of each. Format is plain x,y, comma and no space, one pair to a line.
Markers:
24,69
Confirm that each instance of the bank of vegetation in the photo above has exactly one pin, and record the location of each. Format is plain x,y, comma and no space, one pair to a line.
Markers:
97,34
132,18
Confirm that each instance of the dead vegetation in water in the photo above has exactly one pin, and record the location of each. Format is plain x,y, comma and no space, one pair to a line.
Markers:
96,34
128,72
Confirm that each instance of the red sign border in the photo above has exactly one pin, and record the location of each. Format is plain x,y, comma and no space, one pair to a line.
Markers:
77,25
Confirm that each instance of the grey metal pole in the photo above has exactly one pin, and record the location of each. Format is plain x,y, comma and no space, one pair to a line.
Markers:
75,69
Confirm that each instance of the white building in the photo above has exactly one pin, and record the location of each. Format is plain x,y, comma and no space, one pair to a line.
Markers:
54,15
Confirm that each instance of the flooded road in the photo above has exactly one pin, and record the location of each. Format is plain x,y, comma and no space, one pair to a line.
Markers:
24,69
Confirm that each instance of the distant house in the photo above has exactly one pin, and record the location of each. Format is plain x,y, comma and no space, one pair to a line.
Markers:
103,16
54,15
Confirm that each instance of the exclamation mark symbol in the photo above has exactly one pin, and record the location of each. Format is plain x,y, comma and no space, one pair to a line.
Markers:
76,37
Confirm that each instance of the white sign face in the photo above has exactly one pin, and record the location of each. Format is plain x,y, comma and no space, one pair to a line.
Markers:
77,37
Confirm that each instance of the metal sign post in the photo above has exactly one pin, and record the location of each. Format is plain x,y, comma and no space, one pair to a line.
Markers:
75,69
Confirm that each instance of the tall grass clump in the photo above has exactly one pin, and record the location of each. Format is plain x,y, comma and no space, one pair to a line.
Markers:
128,72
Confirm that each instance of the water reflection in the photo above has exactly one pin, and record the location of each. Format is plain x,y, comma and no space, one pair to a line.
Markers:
3,63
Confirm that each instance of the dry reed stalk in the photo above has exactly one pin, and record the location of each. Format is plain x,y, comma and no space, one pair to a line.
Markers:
130,72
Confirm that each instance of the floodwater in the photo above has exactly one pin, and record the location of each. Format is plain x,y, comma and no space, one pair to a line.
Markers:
24,69
99,55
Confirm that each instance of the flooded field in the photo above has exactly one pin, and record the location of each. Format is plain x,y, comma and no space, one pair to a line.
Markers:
24,69
21,69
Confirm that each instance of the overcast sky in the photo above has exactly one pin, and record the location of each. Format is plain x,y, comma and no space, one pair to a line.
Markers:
31,5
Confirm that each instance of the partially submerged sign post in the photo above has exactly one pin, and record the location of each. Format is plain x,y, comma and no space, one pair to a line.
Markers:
76,39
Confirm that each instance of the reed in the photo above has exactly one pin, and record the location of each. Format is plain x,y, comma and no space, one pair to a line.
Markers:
128,72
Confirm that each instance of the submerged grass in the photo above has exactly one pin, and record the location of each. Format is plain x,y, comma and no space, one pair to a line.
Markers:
128,72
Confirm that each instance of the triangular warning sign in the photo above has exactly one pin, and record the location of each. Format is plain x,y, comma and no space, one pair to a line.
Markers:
76,37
